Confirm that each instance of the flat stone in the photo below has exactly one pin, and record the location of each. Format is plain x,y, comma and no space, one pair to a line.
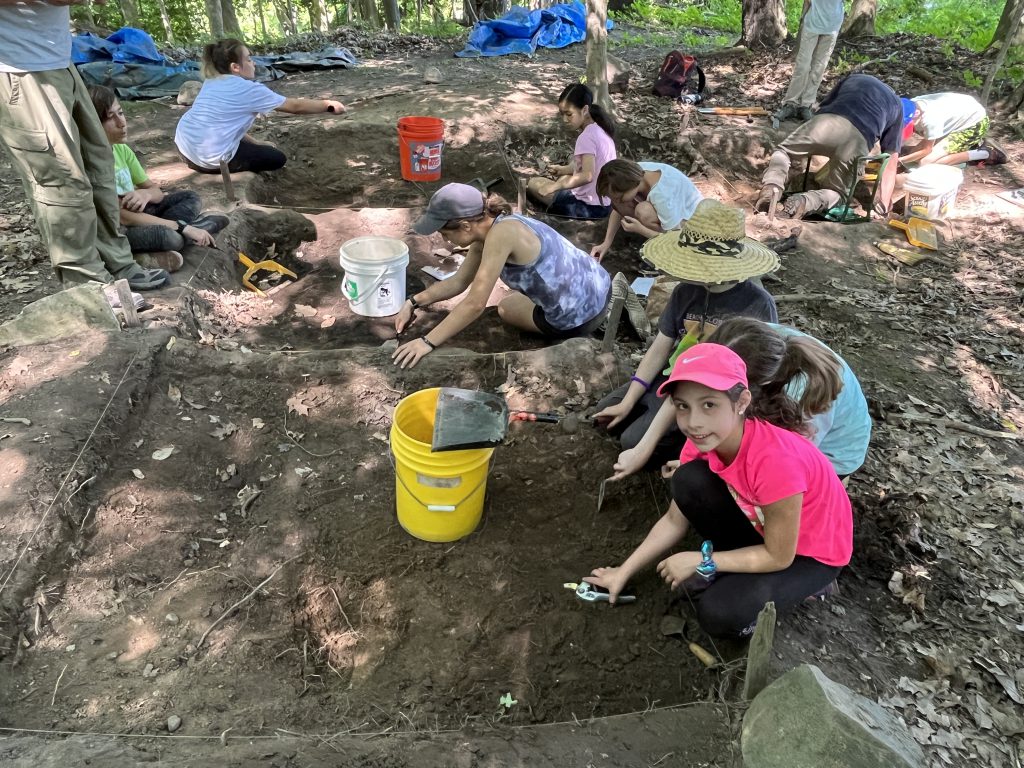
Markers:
806,720
188,92
173,723
72,312
432,75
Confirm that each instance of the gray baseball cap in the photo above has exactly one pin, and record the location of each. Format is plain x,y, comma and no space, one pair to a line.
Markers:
452,201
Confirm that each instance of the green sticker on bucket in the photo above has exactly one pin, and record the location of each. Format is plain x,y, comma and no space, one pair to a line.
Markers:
350,289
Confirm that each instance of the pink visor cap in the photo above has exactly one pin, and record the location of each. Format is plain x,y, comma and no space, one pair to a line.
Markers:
713,365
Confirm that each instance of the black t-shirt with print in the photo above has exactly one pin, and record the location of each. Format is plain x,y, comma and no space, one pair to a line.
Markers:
695,309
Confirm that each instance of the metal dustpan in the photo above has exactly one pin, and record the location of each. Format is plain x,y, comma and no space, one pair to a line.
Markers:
466,418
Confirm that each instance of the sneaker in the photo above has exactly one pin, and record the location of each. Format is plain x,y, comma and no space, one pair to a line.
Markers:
171,261
148,279
795,206
785,112
211,222
996,156
634,309
804,114
829,590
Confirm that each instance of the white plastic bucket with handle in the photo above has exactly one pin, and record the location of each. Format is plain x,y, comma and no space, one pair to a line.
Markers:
374,281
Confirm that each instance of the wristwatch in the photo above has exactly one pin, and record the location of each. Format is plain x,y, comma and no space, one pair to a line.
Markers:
181,226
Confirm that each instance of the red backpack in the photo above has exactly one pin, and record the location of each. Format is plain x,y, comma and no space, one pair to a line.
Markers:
680,76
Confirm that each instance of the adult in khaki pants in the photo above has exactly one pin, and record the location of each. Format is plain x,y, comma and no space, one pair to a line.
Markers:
819,28
859,112
59,148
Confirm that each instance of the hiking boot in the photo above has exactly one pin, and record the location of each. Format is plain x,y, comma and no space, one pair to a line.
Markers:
768,200
211,222
996,156
785,112
148,279
804,114
170,261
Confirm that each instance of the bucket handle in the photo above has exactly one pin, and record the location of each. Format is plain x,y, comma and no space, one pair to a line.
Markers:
440,507
360,298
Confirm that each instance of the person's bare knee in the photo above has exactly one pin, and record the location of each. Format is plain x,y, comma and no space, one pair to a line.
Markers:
647,215
517,310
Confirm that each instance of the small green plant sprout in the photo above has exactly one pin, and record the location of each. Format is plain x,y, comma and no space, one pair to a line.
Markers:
972,80
507,701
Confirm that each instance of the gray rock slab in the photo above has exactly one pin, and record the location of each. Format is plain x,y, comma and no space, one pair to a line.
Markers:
67,313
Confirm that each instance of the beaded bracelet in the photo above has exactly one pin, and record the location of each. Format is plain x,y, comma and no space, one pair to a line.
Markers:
640,381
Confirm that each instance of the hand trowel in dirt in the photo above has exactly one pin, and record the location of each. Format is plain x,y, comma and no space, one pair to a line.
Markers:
467,418
920,232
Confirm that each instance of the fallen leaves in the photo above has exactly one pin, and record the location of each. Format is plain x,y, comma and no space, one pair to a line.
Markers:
224,431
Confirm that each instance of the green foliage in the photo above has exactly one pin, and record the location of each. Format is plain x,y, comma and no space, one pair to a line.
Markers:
723,15
972,80
969,23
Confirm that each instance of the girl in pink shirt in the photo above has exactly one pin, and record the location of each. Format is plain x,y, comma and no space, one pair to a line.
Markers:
776,515
573,191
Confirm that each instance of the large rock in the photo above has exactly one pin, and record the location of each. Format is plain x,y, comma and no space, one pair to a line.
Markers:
805,720
188,92
71,312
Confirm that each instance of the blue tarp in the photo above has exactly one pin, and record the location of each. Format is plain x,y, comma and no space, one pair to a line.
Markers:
129,62
522,31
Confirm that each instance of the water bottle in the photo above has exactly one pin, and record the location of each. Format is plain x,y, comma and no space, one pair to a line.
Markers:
706,573
691,98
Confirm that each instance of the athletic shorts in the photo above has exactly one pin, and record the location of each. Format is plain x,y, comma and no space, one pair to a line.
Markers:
586,329
967,139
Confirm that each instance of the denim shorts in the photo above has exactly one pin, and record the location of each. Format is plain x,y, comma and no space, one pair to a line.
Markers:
568,205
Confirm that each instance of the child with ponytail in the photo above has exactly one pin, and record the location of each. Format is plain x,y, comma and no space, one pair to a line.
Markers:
573,191
774,517
798,384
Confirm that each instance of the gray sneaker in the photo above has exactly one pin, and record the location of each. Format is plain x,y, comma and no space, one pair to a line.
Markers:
784,112
804,114
148,279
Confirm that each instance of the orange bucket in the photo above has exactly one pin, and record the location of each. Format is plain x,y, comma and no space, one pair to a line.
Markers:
420,141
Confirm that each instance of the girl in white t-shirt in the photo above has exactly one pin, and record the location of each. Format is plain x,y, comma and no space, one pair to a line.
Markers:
573,191
216,128
647,199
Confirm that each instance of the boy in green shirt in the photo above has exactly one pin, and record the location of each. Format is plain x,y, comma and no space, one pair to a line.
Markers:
157,224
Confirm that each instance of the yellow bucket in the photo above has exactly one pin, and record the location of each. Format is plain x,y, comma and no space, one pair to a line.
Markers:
439,496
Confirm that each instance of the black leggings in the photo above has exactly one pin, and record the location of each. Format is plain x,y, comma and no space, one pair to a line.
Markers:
729,607
249,157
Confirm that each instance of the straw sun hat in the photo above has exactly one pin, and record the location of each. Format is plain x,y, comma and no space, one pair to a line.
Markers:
711,248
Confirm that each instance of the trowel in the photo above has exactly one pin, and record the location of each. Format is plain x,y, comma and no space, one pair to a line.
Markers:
920,232
467,418
485,187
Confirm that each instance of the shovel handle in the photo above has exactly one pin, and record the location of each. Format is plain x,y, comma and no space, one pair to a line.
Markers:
547,418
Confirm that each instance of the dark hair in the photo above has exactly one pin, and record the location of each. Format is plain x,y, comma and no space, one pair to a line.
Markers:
773,360
103,99
219,56
579,96
494,206
618,176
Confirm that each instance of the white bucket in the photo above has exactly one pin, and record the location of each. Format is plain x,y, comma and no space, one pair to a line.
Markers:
374,281
932,189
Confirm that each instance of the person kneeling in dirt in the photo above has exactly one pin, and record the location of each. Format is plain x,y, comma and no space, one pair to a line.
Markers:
558,290
859,112
647,199
216,128
573,192
764,499
157,224
952,128
714,261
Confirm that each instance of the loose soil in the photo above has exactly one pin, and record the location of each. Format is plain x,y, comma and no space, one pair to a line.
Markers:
114,564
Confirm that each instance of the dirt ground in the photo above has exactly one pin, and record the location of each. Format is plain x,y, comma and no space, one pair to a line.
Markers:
168,472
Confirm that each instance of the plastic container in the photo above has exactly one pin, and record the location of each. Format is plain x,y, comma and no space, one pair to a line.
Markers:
932,189
438,496
420,142
374,281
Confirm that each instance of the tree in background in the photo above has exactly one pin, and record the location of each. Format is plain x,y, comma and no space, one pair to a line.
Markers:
860,21
764,23
597,53
1010,30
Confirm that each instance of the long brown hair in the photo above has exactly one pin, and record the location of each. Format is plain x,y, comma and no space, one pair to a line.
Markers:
219,56
103,99
618,176
773,361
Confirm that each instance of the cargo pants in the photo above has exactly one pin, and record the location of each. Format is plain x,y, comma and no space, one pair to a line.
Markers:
59,148
812,55
828,135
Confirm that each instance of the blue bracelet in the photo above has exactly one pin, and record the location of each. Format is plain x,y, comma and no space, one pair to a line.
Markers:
640,381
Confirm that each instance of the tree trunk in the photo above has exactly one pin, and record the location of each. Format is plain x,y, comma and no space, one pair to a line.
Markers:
165,21
130,11
263,20
764,23
215,13
368,13
1004,48
1013,11
231,25
597,53
860,22
393,14
319,20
